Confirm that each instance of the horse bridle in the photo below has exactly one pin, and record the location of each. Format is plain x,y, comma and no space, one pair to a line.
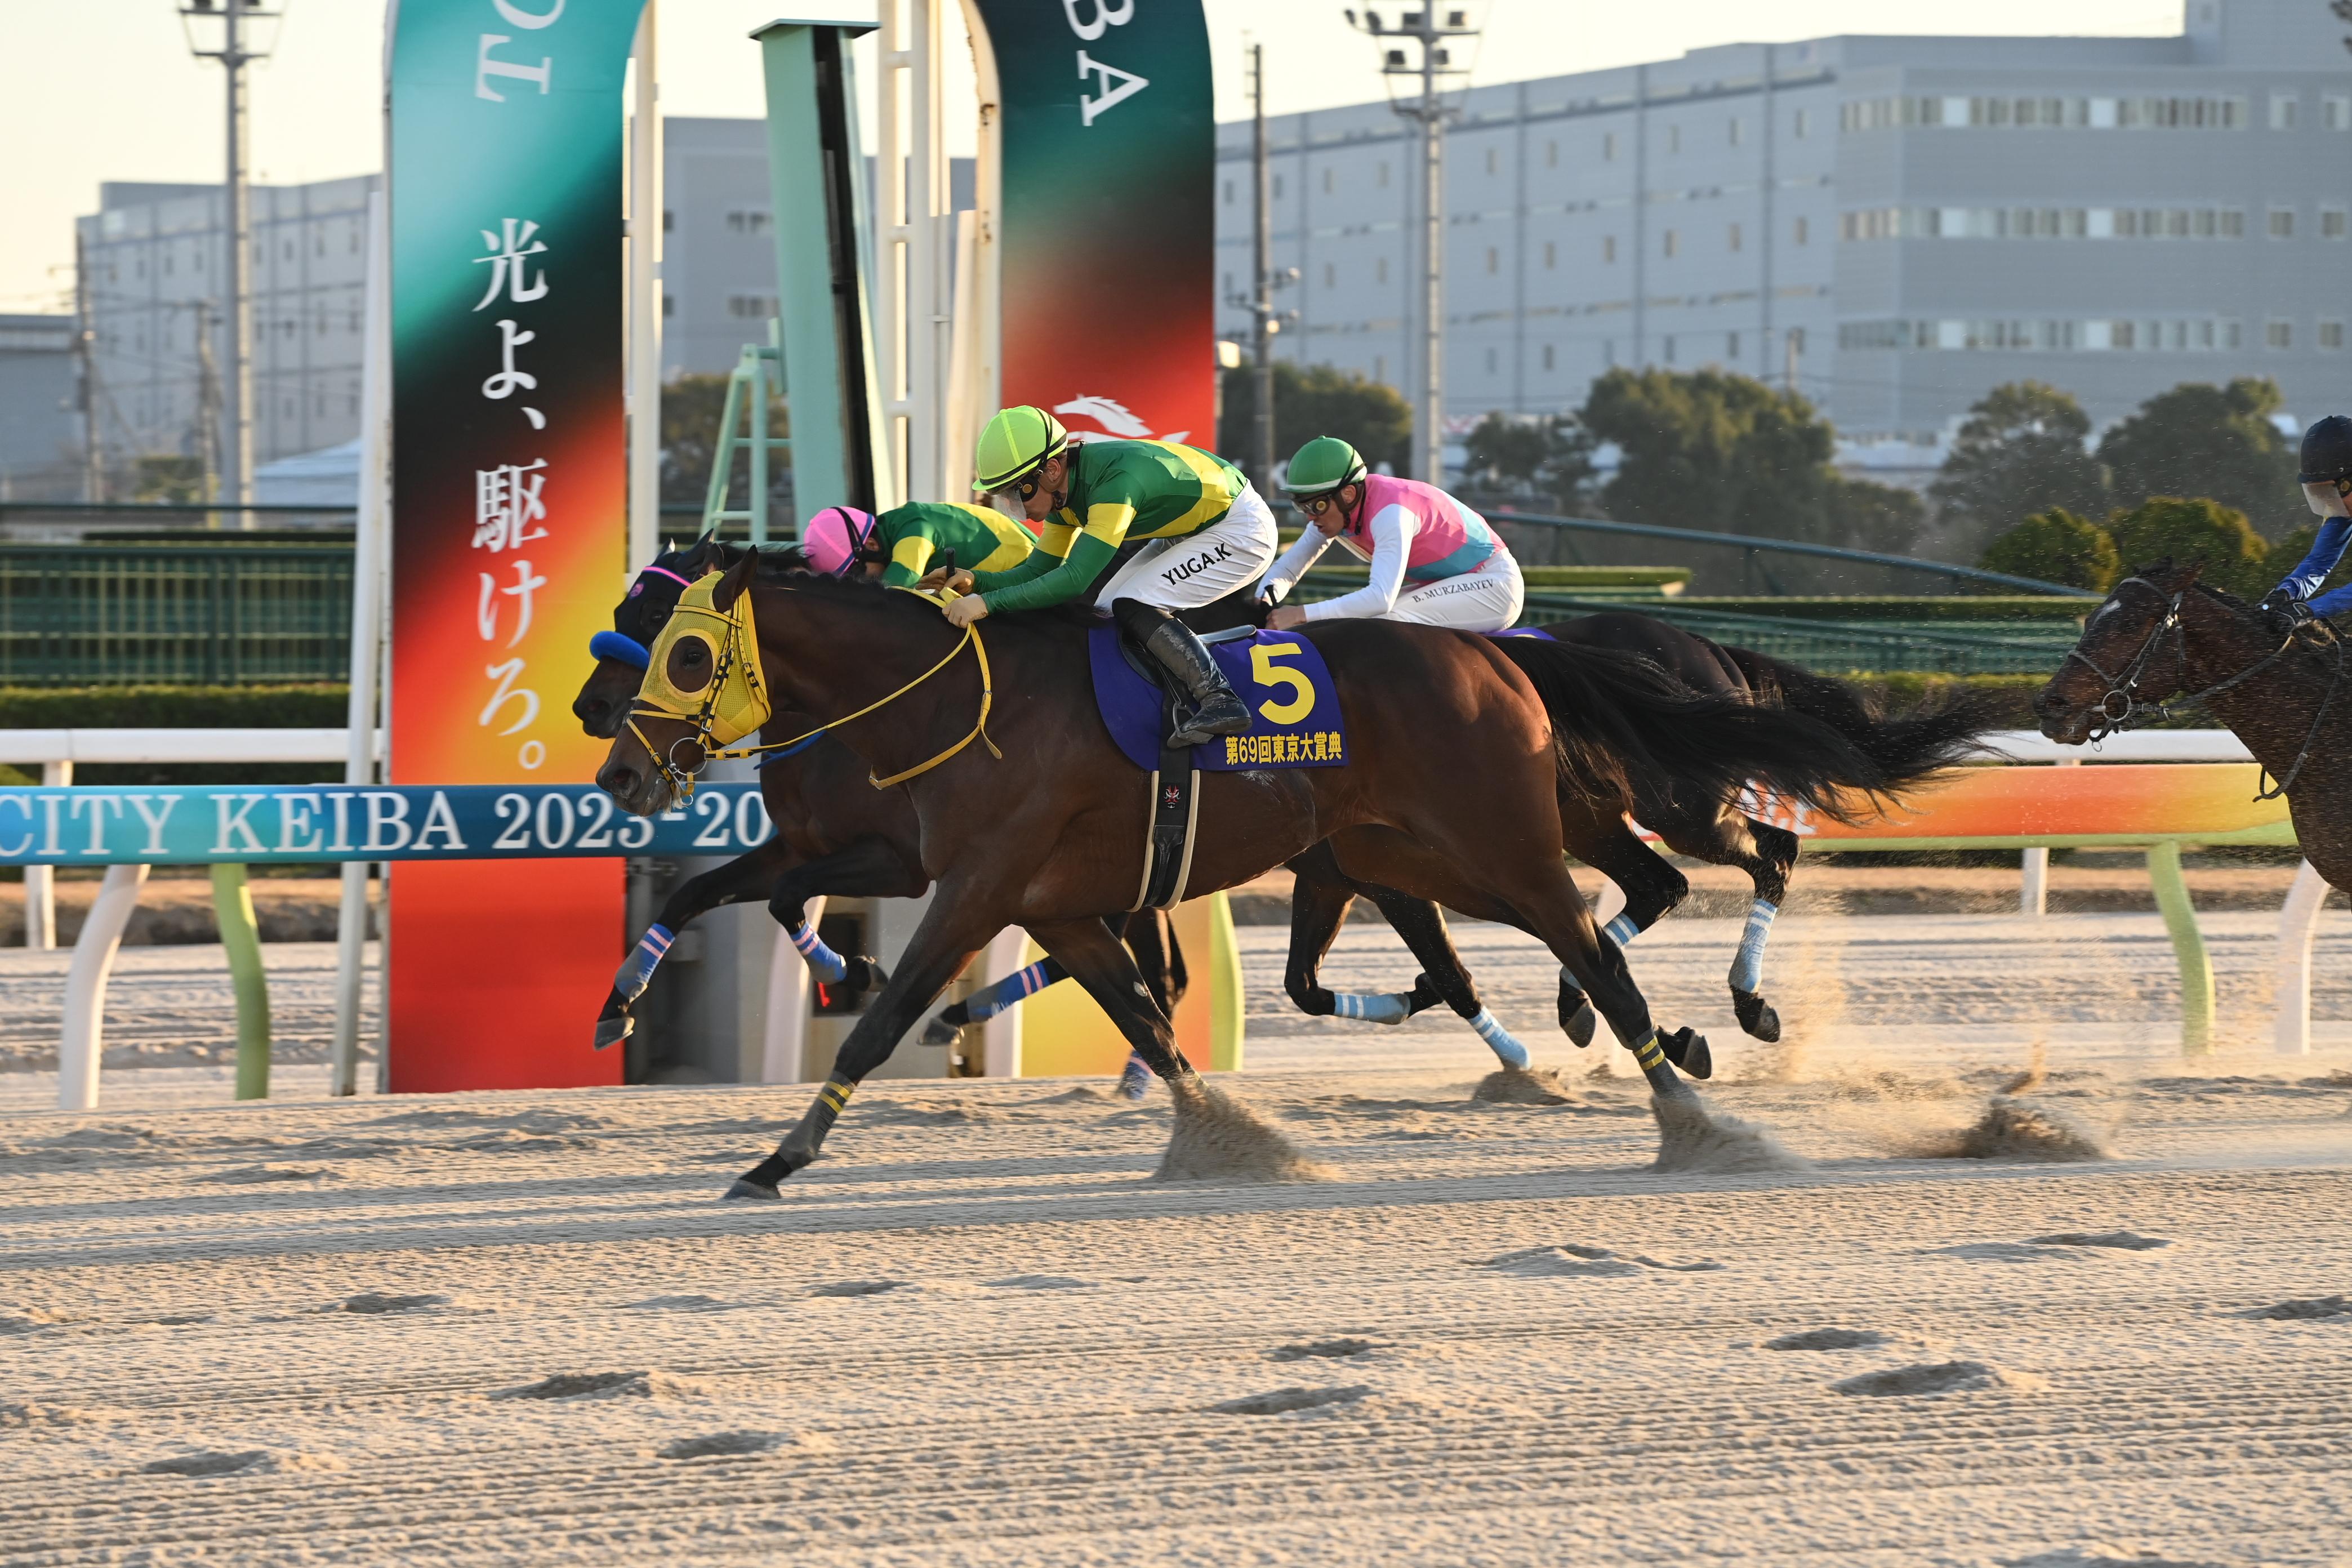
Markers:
2134,713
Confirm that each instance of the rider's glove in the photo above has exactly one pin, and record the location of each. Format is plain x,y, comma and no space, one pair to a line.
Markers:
2283,612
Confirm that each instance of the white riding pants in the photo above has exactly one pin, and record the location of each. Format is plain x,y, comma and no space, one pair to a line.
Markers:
1487,600
1196,569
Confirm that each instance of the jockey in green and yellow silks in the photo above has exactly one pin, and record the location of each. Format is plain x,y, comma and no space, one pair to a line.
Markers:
906,542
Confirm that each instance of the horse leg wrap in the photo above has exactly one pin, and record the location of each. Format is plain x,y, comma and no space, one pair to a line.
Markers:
801,1144
1647,1051
989,1001
1371,1009
1621,930
824,963
1748,966
637,969
1499,1040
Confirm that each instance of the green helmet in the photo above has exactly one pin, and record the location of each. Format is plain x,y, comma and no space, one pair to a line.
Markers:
1323,465
1017,441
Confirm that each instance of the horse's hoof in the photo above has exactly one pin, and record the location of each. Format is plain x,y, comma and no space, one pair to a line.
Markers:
939,1032
1687,1050
1578,1023
744,1192
860,975
613,1031
1756,1016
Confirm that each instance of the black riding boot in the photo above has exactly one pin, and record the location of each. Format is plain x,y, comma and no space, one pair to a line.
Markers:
1215,710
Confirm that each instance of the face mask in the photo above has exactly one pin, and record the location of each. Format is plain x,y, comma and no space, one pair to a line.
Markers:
741,704
2326,499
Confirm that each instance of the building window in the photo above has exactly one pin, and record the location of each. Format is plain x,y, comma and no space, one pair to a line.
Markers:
1552,155
1609,350
2278,334
2331,335
1546,348
669,305
1608,248
2282,223
2282,112
750,221
1380,367
1672,242
2335,112
669,220
1668,346
1799,123
1331,276
1735,131
1799,232
1734,238
1731,347
1380,269
1673,144
1550,254
1494,361
1494,160
752,307
1277,188
2331,222
1229,192
1609,147
1382,176
1327,182
1797,340
1494,259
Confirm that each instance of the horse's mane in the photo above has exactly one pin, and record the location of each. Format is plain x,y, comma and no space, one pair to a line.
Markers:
858,586
2156,571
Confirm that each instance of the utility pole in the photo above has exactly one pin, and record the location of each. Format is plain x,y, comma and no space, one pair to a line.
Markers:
93,460
1262,316
235,53
1433,32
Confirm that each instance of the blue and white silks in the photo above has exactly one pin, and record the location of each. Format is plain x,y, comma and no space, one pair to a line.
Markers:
2326,550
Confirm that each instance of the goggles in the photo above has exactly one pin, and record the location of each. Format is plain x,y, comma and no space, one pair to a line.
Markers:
2326,498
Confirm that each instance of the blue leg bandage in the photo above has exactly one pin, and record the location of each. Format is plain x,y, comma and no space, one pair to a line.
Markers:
1747,968
989,1001
1391,1009
1498,1040
1621,930
638,967
823,962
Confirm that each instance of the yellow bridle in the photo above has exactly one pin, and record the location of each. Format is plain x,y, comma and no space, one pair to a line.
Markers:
735,702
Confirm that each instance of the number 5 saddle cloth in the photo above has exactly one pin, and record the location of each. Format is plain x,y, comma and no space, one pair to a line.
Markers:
1295,720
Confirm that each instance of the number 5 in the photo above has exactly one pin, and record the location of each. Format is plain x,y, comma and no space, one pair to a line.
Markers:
1268,673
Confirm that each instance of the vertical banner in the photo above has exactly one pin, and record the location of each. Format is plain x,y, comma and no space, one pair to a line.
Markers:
1107,226
509,512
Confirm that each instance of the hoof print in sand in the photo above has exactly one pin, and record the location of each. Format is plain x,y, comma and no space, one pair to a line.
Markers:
2059,1246
1693,1137
1828,1340
207,1464
255,1176
1322,1350
861,1287
678,1304
1523,1086
22,1417
588,1385
1939,1377
1038,1282
2107,1557
1218,1139
2306,1308
375,1303
2115,1240
1570,1261
721,1445
30,1320
1283,1401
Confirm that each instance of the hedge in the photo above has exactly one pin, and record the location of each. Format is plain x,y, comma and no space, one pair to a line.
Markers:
312,707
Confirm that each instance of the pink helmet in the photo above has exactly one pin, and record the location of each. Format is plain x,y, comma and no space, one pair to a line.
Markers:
835,538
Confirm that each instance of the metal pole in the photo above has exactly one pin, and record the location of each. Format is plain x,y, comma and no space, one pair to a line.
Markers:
1433,143
241,941
80,1037
644,313
240,272
40,881
1262,299
93,462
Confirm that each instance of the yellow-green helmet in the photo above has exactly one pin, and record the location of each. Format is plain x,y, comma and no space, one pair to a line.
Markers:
1323,465
1017,441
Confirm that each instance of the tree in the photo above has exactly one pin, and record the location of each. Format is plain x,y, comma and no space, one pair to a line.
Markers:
2019,452
1318,400
1547,460
2217,441
691,410
2057,547
1861,514
2235,557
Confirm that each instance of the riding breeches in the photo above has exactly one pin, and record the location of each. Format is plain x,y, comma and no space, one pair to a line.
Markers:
1192,569
1487,600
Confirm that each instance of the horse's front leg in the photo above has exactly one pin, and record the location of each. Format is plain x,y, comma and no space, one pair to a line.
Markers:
943,944
739,881
868,869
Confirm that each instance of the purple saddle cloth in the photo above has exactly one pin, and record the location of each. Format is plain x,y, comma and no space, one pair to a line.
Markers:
1295,719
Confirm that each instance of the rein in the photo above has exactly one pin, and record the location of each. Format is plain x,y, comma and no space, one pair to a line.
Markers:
736,654
2134,713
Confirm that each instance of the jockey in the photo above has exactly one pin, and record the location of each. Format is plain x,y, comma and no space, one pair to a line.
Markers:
1434,561
2326,477
899,546
1206,533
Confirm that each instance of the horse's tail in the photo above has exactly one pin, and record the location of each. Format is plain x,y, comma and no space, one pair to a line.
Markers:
1625,726
1906,748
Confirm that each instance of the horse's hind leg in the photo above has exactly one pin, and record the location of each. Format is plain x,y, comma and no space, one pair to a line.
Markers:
739,881
1422,924
1652,890
1767,855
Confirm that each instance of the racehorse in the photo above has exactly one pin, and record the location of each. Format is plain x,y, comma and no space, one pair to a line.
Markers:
836,837
1459,746
2161,633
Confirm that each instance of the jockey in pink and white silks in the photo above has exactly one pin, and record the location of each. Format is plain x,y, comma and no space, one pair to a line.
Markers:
1434,561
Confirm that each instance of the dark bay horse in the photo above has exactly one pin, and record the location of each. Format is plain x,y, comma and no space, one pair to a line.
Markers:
2163,635
1460,748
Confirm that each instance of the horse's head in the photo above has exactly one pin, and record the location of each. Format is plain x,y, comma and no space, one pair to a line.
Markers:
701,689
622,654
2130,653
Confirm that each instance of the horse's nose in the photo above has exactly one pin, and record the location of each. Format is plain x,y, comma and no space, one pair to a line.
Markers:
594,713
619,780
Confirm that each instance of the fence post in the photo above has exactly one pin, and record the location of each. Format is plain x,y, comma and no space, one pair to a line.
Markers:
241,940
40,881
79,1041
2196,967
2298,923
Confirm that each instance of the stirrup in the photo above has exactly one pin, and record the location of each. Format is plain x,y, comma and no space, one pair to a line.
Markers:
1203,724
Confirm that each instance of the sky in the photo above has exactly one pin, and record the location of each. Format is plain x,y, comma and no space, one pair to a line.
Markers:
106,90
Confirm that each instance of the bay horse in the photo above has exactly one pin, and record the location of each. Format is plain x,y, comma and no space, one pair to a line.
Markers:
2161,634
1459,747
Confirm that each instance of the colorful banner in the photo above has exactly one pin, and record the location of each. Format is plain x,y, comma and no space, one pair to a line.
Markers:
2129,802
310,824
1109,225
509,520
